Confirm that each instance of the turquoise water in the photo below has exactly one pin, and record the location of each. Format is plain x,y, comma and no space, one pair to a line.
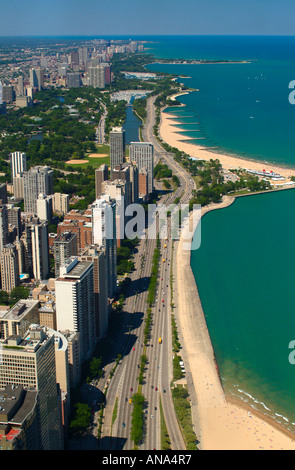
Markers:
244,267
243,109
131,126
244,272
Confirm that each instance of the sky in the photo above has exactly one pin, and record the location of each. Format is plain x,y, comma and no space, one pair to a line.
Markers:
146,17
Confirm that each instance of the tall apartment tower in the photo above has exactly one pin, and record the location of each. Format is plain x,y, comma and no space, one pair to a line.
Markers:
104,235
101,175
30,361
83,56
117,146
64,246
98,257
75,308
9,268
143,154
18,162
35,240
38,180
134,182
96,76
3,227
116,189
44,207
37,78
73,80
122,172
14,218
61,203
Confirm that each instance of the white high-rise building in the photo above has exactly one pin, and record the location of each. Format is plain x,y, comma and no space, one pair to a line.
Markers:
75,306
104,235
18,162
44,207
38,180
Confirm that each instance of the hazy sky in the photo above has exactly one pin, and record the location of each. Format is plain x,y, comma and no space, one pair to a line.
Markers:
146,17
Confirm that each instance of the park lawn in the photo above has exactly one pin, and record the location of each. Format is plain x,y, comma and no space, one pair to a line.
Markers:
94,162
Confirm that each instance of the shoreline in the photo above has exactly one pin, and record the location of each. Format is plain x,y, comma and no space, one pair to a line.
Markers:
226,422
173,135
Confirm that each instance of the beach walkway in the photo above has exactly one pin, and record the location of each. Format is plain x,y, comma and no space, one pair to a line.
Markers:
223,425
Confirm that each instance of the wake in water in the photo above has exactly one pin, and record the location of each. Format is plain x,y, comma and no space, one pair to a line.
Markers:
261,407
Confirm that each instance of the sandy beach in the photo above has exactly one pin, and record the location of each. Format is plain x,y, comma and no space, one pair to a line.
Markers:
224,424
170,133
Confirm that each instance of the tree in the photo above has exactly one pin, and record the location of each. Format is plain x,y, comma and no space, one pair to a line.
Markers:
18,293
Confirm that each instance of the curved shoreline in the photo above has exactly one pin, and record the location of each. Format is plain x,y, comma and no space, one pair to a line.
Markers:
173,136
226,423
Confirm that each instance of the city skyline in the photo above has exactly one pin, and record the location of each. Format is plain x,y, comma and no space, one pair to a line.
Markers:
200,17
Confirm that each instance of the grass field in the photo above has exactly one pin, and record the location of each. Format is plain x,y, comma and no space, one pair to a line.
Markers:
103,157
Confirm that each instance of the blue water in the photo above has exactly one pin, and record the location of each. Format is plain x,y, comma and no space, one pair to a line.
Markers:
241,109
131,126
244,267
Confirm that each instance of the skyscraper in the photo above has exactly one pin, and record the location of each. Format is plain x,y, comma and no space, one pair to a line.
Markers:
83,56
101,174
117,146
98,257
73,80
38,180
44,207
9,268
143,154
64,247
35,239
61,203
96,76
104,235
37,78
3,227
122,172
75,308
30,361
18,163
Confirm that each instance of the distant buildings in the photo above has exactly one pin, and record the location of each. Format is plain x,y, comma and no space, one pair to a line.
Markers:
37,78
96,76
73,80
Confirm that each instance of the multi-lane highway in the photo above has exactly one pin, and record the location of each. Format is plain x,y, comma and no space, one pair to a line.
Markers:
158,371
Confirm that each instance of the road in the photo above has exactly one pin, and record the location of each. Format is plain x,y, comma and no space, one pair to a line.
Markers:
158,372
